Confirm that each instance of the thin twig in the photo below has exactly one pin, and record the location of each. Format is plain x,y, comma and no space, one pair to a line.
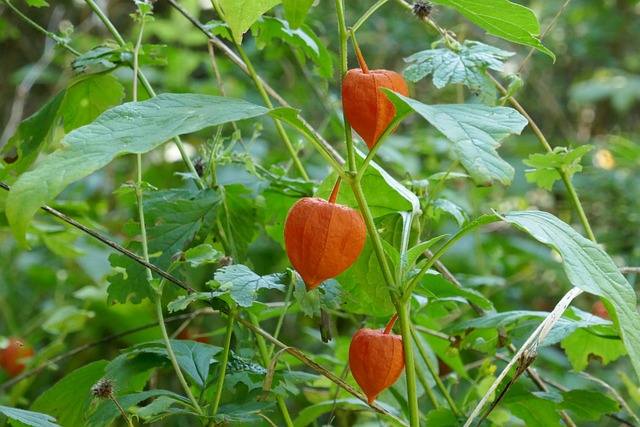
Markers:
111,244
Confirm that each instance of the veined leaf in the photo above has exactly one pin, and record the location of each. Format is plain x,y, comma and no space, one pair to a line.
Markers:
476,132
296,11
466,66
88,96
243,285
241,14
545,172
502,18
134,127
589,268
29,418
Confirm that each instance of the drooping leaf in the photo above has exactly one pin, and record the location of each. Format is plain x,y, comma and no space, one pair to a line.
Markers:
243,285
174,216
111,55
70,397
296,11
589,268
33,134
444,206
88,96
546,166
583,346
588,404
475,131
502,18
327,297
302,40
135,127
29,418
466,66
241,14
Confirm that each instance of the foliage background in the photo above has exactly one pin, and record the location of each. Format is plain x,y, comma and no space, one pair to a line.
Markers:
589,96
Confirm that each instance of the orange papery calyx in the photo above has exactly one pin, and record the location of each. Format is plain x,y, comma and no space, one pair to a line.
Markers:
323,238
366,107
376,359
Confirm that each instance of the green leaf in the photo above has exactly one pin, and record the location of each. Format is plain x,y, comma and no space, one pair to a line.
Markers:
440,206
243,285
37,3
311,413
476,132
70,398
111,55
176,216
201,255
583,346
535,409
327,296
588,404
66,319
503,19
241,14
33,134
29,418
135,127
239,218
295,11
193,357
589,268
302,40
87,97
183,301
441,289
466,66
410,257
546,166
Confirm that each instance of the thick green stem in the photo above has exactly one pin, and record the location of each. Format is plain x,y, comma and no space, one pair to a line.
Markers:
575,200
409,361
223,362
435,375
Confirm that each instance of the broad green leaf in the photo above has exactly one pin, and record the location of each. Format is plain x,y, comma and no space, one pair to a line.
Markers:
546,166
201,255
29,418
476,132
583,346
535,409
88,96
243,284
502,18
241,14
409,258
239,216
441,289
444,206
588,404
37,3
174,216
110,55
326,296
33,134
466,66
311,413
183,301
70,397
302,41
134,127
130,372
193,357
295,11
589,268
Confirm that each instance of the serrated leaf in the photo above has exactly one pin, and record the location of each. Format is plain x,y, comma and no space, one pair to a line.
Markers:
176,216
87,97
33,134
327,297
134,127
589,268
295,11
465,66
302,39
583,346
503,19
547,165
243,285
70,397
588,404
30,418
476,132
241,14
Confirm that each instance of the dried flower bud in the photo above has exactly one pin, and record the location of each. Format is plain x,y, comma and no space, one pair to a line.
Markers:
103,389
422,9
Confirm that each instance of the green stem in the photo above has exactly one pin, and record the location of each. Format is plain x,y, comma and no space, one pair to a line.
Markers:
276,332
266,359
435,375
573,196
409,362
348,135
172,356
483,220
368,13
225,359
59,41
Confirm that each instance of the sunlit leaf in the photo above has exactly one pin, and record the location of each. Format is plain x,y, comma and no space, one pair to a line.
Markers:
241,14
